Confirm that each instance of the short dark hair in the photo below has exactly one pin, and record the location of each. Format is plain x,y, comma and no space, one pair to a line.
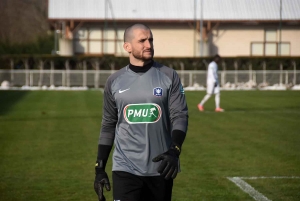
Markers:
128,30
217,57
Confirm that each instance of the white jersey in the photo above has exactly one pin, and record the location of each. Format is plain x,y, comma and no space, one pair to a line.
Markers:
212,73
212,79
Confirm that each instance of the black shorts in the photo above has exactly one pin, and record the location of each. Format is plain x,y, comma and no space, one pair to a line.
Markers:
129,187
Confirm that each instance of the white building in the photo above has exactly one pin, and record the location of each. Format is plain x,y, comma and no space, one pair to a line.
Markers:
228,27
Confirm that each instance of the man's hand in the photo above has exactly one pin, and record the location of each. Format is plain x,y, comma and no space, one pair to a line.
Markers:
101,180
216,84
169,165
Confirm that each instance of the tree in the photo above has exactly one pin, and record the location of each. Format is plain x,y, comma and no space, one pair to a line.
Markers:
23,21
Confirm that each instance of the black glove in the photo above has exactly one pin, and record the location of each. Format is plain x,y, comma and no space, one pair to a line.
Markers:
216,84
101,180
169,165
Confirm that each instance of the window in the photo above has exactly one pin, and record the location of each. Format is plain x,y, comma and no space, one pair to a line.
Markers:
270,49
284,49
270,35
257,49
270,46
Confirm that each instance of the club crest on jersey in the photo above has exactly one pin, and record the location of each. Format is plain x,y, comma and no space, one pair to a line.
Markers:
142,113
158,91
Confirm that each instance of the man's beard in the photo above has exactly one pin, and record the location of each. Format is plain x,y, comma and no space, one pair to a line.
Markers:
139,56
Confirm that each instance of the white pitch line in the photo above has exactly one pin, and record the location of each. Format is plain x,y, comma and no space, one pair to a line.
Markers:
248,189
274,177
255,111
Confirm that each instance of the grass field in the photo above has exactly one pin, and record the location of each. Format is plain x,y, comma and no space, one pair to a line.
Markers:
48,142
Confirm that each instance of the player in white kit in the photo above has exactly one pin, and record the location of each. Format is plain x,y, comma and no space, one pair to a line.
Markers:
212,83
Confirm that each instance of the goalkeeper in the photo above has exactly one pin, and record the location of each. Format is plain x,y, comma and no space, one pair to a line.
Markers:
145,116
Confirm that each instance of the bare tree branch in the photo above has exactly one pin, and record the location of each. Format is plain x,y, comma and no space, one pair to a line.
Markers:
22,21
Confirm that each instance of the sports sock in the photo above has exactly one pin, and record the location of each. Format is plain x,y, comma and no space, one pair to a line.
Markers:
206,97
217,99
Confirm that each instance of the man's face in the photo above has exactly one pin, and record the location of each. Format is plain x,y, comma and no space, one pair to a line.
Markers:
142,45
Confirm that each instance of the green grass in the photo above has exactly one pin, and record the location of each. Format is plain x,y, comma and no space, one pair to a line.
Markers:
48,143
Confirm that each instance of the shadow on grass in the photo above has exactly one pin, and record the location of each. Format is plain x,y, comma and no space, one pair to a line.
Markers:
8,99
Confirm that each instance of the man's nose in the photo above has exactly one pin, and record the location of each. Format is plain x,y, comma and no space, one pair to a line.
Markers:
147,44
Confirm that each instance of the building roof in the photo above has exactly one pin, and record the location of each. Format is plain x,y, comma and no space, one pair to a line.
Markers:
182,10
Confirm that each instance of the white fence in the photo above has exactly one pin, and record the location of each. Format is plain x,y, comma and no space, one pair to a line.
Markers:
97,78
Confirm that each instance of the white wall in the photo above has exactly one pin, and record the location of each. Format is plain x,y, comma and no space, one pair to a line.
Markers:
173,42
182,40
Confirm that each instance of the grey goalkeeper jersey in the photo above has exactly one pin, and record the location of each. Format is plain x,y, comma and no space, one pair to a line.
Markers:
140,112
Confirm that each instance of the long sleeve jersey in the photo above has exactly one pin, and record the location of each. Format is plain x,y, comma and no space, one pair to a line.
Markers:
140,112
212,73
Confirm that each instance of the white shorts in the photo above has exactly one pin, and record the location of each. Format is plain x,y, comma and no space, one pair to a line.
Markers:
211,89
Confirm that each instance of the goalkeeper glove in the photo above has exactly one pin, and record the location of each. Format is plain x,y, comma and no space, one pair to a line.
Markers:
169,165
101,180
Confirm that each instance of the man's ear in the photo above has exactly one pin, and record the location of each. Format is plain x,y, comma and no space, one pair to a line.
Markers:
127,47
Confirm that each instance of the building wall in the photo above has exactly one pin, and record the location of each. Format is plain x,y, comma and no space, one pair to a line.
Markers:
174,42
169,40
181,40
235,40
293,35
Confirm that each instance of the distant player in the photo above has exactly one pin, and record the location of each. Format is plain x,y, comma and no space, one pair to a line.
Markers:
145,116
212,83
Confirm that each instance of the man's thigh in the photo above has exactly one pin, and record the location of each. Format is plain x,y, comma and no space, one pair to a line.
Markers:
210,87
129,187
217,89
157,188
126,186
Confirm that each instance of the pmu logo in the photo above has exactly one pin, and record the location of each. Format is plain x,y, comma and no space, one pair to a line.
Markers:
142,113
